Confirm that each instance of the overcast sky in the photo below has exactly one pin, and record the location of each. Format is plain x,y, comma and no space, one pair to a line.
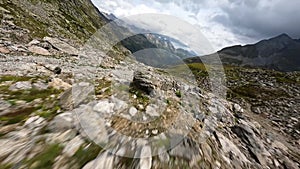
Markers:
223,22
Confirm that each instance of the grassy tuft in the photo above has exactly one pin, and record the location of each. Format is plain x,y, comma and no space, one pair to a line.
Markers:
46,158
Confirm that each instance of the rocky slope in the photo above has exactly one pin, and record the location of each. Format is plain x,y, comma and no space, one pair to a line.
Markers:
76,20
278,53
59,109
271,95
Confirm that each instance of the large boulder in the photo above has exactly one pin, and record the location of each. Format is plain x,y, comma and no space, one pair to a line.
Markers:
143,82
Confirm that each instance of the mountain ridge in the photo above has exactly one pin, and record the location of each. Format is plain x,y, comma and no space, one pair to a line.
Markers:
278,53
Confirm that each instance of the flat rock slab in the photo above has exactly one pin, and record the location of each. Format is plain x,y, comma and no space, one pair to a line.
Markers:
62,46
39,50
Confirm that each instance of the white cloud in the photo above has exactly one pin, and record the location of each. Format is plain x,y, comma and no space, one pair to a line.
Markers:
223,22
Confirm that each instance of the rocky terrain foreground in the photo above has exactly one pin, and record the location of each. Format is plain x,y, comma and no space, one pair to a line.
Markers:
59,109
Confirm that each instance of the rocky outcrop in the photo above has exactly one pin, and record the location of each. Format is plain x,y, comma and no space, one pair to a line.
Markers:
143,81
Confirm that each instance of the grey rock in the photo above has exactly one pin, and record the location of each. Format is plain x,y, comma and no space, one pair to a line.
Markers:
237,108
66,100
34,122
146,160
13,151
34,42
40,85
61,46
230,149
186,149
120,105
57,70
82,92
256,110
72,146
151,110
91,124
4,105
26,85
143,82
39,50
254,144
104,107
60,137
290,164
104,160
62,122
133,111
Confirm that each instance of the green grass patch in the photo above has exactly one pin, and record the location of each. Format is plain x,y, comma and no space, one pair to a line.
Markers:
103,87
48,113
14,78
85,154
141,97
281,78
258,92
45,159
28,95
178,93
6,166
17,116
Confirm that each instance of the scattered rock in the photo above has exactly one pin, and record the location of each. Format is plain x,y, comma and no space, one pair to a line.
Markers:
155,131
57,70
133,111
4,105
92,123
40,85
231,149
290,164
34,42
59,84
39,50
66,100
104,107
237,108
254,144
4,50
72,146
256,110
104,160
8,128
146,158
277,144
62,122
34,122
120,105
26,85
62,46
151,110
61,137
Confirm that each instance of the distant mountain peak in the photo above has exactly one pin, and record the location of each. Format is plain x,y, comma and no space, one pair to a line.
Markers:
279,53
282,37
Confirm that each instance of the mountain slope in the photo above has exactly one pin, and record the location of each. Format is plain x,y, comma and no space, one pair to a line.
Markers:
73,19
279,53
